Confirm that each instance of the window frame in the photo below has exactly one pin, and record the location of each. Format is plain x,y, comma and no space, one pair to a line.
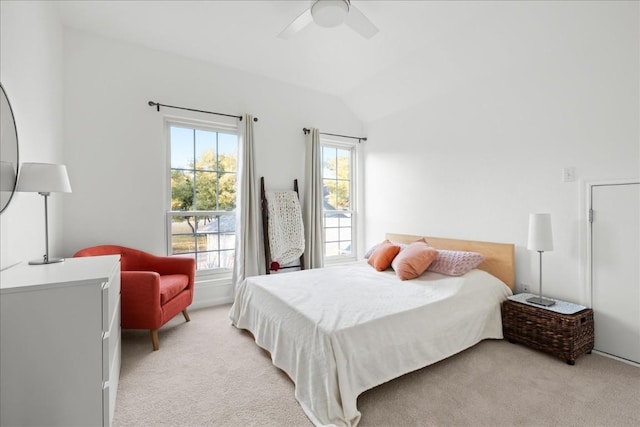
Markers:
354,203
208,126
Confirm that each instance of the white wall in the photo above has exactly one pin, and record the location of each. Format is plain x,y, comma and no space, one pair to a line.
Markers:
31,73
115,146
486,149
473,156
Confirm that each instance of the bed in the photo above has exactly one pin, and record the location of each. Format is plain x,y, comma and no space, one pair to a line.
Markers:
339,331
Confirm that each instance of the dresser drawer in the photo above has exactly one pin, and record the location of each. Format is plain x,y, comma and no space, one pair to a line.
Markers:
106,400
111,343
110,299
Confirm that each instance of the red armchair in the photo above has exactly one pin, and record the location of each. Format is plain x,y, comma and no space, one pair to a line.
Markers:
153,289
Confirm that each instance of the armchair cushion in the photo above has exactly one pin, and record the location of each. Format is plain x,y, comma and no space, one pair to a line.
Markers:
171,285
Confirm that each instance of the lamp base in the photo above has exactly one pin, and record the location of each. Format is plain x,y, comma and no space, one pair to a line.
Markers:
541,301
45,261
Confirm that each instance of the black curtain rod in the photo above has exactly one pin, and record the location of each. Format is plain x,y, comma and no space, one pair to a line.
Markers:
359,138
158,105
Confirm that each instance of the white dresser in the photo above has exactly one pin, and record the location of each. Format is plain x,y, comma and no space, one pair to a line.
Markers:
60,342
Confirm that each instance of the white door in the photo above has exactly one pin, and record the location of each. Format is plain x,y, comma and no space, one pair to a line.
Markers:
615,269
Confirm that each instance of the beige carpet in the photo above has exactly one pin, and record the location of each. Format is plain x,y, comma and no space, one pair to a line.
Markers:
207,373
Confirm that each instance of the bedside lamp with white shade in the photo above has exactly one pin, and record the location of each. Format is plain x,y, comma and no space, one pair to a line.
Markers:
541,240
44,179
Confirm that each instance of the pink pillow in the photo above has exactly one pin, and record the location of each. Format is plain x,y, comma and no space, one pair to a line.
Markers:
381,258
455,263
413,260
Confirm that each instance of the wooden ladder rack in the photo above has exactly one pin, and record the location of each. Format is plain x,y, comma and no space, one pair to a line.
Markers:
265,228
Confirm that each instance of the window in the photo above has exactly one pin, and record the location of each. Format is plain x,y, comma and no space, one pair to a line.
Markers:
339,202
203,194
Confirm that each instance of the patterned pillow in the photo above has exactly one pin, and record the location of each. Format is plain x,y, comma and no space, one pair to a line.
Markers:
381,258
412,261
455,263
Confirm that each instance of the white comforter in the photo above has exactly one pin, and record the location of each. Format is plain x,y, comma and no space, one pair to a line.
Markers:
339,331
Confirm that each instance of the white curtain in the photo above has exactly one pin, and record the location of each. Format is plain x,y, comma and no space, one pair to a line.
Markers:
249,259
313,197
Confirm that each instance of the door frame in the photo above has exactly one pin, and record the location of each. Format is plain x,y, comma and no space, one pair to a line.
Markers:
589,203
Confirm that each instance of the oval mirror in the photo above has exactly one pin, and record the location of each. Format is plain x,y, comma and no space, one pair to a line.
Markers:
8,151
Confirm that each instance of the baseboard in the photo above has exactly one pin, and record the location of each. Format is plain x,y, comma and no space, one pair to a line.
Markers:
619,359
210,302
209,292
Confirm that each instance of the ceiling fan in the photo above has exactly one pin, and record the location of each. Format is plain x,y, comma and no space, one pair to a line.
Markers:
331,13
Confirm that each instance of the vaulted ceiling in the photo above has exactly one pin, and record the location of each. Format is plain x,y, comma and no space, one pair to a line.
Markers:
422,46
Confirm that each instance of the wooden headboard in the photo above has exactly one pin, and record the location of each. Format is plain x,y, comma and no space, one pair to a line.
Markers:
499,257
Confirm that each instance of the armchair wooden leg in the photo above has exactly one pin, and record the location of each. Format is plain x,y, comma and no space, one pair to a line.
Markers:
154,339
186,315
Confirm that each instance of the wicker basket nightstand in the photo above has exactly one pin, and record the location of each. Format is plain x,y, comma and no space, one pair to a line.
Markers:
564,335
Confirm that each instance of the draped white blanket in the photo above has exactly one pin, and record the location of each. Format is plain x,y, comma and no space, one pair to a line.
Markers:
339,331
286,232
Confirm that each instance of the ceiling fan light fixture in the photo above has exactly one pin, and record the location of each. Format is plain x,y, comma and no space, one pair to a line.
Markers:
329,13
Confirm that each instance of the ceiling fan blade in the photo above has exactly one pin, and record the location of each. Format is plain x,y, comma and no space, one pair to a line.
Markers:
297,25
360,23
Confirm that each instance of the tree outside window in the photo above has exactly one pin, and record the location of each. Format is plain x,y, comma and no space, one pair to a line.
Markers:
203,195
337,180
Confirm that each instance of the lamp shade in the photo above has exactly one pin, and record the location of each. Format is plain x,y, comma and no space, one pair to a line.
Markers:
540,236
43,178
329,13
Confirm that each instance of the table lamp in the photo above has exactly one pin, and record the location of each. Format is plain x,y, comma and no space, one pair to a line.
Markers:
540,239
44,179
